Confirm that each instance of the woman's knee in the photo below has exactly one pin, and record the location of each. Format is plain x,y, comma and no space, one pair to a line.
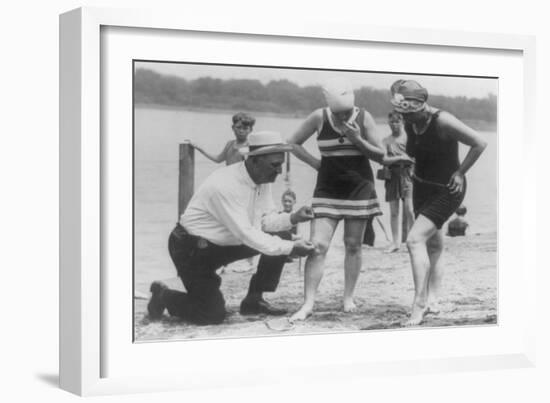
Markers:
414,239
352,245
321,247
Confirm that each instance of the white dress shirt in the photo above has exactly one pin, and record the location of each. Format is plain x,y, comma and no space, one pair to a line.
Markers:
230,209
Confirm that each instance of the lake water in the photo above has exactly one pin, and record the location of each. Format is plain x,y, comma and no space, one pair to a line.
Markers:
157,135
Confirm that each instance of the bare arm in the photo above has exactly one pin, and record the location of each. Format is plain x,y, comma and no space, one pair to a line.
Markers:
462,133
389,160
370,144
305,131
216,158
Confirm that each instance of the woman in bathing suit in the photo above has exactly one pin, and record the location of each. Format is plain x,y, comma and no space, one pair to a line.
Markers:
345,185
439,185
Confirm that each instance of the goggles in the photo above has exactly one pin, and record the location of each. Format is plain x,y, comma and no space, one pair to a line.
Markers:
403,105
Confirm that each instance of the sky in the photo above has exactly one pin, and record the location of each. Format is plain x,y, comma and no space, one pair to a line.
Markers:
437,85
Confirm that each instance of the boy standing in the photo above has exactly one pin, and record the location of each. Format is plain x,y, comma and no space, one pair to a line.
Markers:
242,126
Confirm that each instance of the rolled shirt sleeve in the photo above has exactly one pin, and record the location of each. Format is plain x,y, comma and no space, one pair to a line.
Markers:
232,209
276,222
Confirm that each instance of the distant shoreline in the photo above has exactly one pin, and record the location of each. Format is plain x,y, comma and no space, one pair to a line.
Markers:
475,124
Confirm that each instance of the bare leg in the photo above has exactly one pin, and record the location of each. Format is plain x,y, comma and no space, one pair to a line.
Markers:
408,213
381,224
422,230
394,221
353,237
435,277
322,230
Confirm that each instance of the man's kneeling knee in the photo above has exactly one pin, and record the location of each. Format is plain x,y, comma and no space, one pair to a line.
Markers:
214,314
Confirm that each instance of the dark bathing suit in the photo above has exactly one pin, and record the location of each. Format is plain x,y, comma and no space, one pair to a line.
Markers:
437,160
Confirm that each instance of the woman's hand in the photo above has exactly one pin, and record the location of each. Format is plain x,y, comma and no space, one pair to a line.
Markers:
351,131
456,183
303,214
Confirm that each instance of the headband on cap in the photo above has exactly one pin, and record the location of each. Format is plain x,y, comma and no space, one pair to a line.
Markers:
339,95
408,96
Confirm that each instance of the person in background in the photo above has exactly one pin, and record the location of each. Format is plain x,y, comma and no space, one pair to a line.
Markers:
243,124
229,218
398,184
458,225
439,187
288,200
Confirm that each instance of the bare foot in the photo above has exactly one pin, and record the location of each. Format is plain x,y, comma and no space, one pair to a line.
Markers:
434,307
349,306
304,313
392,249
417,315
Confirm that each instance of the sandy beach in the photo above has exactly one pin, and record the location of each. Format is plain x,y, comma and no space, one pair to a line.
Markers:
384,293
385,288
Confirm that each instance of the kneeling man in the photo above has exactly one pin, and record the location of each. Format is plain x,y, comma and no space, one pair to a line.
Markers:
228,219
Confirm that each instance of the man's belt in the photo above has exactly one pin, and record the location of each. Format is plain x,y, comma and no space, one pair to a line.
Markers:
181,233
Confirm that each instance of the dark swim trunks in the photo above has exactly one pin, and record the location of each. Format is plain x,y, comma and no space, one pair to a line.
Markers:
436,203
399,186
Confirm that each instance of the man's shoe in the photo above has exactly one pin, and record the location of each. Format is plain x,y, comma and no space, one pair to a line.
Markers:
254,307
155,307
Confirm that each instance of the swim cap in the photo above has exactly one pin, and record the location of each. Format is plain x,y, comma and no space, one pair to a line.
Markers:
395,86
339,95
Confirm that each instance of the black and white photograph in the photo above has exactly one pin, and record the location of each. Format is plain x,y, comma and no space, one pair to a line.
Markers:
276,201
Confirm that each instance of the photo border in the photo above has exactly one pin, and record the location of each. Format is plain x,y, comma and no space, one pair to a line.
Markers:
81,245
134,61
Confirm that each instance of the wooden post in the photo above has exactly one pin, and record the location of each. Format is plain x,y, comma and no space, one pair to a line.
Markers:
186,179
287,181
404,224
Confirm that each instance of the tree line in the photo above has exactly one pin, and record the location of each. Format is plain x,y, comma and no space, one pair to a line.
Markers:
282,96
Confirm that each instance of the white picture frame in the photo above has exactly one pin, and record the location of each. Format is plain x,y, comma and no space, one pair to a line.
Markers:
84,348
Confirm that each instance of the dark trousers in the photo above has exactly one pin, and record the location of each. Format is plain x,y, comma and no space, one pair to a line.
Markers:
197,260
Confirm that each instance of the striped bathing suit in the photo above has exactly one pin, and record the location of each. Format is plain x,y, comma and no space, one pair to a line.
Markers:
345,184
